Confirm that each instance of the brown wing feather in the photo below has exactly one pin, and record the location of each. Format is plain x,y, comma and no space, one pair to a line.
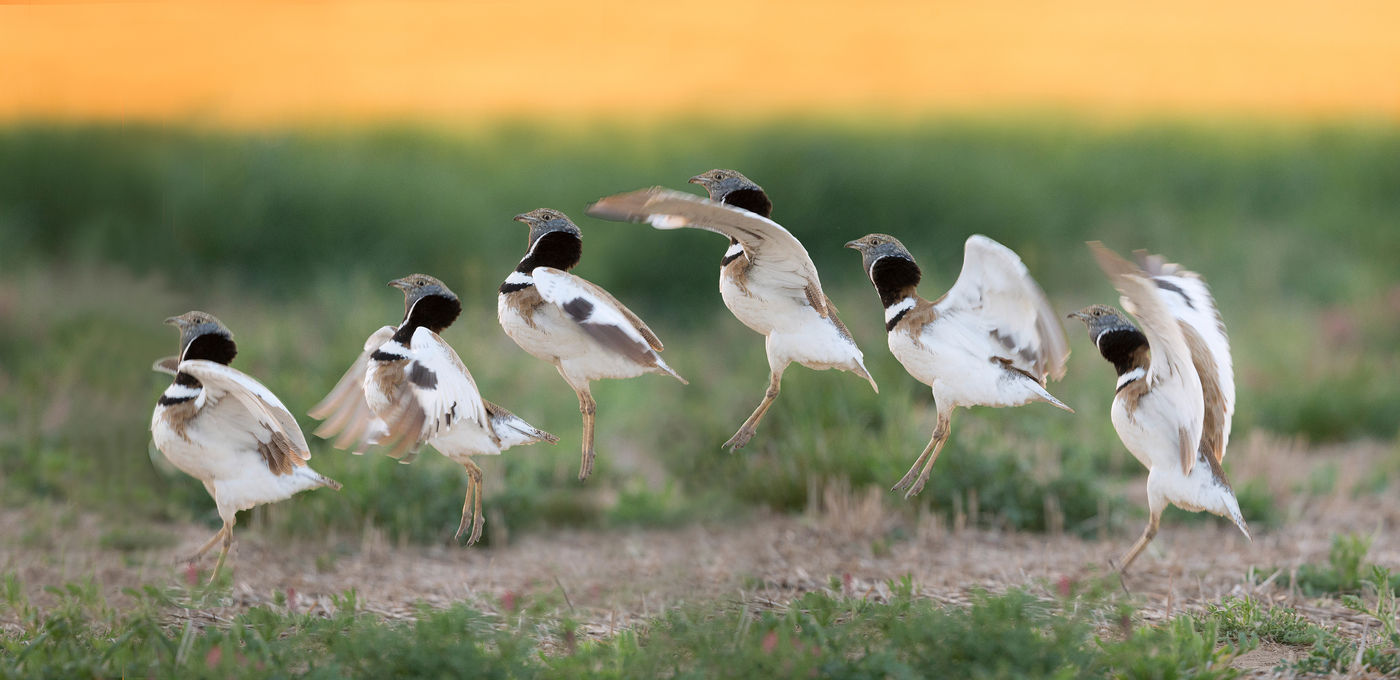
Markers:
280,454
1213,426
344,411
1188,456
632,318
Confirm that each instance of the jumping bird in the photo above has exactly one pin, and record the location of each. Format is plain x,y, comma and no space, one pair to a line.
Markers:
409,388
226,429
766,277
571,323
1176,385
991,340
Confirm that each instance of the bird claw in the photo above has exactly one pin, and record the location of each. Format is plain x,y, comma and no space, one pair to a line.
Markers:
739,439
916,488
475,536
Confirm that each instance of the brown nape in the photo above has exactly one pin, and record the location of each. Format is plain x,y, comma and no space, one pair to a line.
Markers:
895,278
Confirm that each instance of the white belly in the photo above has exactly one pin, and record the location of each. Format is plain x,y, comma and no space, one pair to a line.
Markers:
558,339
748,308
959,376
1152,432
219,451
796,332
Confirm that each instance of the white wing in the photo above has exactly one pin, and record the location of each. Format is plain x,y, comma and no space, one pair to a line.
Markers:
272,424
996,287
345,410
1172,366
1188,299
766,243
440,394
601,316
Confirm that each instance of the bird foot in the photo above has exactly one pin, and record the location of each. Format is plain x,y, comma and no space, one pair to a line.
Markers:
739,439
586,467
475,536
1120,571
911,484
916,488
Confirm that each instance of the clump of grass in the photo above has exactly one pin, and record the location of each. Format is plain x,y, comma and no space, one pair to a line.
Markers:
1245,620
1345,572
1241,619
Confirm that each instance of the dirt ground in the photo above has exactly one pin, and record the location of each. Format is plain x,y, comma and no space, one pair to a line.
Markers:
612,580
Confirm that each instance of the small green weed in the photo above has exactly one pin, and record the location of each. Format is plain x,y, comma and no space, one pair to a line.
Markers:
1345,571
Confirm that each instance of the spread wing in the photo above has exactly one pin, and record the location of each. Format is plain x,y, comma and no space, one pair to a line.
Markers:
996,287
1172,365
168,365
437,393
344,410
766,243
280,441
1186,297
601,316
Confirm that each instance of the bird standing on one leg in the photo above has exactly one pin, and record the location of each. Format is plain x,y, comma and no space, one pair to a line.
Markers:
409,388
572,323
1176,385
766,277
991,340
226,429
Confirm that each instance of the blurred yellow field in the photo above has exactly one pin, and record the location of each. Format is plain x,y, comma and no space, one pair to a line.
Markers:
445,61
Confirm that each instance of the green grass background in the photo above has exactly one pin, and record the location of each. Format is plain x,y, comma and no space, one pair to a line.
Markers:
290,236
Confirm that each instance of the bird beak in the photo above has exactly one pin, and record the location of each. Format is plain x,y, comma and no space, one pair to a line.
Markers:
1078,315
855,245
175,321
524,219
698,179
401,284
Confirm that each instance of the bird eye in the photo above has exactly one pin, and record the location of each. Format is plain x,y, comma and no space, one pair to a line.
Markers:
719,176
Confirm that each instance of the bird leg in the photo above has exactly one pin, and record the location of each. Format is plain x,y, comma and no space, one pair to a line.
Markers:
472,501
223,552
1147,534
588,408
207,545
746,432
930,454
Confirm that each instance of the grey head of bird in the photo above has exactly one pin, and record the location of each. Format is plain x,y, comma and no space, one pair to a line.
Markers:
1101,319
555,241
875,247
733,188
202,336
544,221
428,301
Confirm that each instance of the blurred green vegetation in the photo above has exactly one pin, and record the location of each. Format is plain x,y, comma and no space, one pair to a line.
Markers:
290,236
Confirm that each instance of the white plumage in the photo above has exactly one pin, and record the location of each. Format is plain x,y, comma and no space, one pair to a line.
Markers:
572,323
227,430
992,340
1173,404
403,396
768,281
